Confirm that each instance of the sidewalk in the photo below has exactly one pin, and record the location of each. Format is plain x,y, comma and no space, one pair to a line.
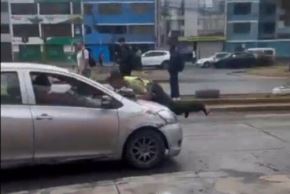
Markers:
227,182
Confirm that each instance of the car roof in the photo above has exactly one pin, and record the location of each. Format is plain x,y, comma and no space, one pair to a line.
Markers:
31,66
158,51
258,49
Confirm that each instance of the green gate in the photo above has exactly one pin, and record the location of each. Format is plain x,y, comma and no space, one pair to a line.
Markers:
29,53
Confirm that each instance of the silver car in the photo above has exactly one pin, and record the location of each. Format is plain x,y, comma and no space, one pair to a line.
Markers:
49,114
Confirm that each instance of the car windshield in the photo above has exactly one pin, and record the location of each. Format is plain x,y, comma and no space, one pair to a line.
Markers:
196,96
221,55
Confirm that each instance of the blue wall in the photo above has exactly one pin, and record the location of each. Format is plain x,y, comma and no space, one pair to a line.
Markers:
251,39
99,41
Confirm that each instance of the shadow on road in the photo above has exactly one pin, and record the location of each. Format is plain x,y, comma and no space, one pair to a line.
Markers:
43,176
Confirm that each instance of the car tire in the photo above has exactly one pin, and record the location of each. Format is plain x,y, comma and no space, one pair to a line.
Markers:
164,65
145,149
206,65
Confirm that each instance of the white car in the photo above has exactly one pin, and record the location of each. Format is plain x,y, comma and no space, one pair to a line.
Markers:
51,115
156,58
206,62
282,90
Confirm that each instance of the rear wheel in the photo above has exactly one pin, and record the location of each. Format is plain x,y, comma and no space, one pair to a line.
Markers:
164,65
145,149
206,65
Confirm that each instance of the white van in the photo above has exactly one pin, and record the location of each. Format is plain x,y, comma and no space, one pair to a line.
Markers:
269,52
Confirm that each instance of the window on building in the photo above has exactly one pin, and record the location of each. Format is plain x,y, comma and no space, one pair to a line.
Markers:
242,28
4,7
76,8
242,8
5,29
54,8
78,29
141,29
110,9
88,9
268,28
141,8
25,30
88,29
112,29
269,9
50,30
10,88
23,8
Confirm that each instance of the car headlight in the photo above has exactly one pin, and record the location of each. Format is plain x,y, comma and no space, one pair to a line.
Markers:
168,116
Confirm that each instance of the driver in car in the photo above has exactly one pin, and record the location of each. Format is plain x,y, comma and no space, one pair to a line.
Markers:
152,91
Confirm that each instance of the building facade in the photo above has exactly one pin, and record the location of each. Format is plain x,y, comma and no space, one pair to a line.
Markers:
6,47
107,21
45,30
258,23
198,24
195,17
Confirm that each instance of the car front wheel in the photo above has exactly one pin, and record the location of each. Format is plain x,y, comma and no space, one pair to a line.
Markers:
145,149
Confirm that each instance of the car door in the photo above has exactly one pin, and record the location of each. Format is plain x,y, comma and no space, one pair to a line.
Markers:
69,119
16,119
147,58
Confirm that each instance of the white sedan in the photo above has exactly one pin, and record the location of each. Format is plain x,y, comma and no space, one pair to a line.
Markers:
282,90
156,58
206,62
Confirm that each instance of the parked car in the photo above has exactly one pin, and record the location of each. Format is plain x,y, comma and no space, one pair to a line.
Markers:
282,90
271,52
49,114
236,60
264,56
207,62
156,58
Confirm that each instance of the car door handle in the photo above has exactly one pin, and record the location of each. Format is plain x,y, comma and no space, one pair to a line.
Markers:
44,117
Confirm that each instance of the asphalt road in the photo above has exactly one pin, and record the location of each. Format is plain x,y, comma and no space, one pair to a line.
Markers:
228,81
239,143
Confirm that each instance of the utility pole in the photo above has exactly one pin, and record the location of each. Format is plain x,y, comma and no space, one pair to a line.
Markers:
157,23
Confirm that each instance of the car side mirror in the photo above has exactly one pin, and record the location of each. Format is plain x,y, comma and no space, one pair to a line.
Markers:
107,101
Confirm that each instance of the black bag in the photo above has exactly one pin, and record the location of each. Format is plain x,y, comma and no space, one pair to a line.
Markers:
92,61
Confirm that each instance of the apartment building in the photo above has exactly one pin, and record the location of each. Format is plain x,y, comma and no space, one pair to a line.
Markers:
198,24
259,23
107,21
6,48
44,30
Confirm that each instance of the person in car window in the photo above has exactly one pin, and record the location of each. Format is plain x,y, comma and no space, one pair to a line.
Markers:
152,91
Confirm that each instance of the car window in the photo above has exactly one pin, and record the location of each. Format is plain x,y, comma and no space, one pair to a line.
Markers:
10,88
58,90
160,54
221,55
269,52
155,54
150,54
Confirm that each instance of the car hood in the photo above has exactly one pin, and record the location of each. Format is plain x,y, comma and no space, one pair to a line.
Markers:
151,106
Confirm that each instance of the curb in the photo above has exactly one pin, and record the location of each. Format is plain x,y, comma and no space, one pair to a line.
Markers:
248,108
239,101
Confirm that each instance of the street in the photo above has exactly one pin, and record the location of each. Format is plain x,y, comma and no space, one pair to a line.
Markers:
237,143
228,81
